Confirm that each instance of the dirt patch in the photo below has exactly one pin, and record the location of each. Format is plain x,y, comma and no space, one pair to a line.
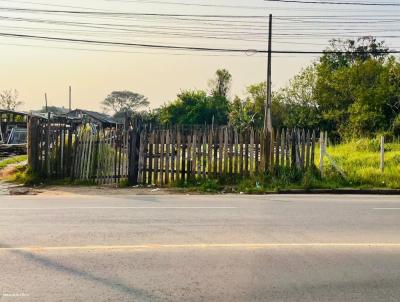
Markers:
102,191
22,191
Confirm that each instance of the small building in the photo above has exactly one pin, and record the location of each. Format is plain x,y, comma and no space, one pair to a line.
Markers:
13,126
100,119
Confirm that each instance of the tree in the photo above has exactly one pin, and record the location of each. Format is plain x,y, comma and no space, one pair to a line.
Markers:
353,90
124,101
221,85
250,111
360,100
197,108
9,99
243,114
295,105
343,53
357,90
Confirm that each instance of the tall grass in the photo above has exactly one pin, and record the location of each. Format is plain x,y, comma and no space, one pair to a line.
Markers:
360,162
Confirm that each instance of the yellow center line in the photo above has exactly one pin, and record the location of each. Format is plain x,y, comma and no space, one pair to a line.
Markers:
203,246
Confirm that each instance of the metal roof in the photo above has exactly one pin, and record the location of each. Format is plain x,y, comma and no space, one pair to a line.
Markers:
101,117
24,113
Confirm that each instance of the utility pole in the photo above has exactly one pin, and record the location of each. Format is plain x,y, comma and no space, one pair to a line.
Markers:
267,131
45,100
70,97
268,104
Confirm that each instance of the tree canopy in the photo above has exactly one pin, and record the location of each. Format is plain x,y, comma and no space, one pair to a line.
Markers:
353,90
195,107
9,99
124,101
221,84
358,94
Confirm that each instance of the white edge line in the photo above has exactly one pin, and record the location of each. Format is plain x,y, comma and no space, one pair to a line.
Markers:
203,246
123,208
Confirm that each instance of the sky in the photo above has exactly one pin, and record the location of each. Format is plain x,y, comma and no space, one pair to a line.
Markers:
36,66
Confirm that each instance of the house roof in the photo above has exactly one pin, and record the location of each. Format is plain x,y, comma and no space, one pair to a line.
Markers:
7,111
23,113
101,117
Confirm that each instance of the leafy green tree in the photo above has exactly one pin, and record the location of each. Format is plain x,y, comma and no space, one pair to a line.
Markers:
295,105
250,111
343,53
124,101
361,99
149,116
353,90
358,90
195,107
242,114
221,84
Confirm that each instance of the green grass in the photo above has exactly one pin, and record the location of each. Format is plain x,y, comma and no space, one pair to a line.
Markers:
13,160
25,177
360,162
200,185
356,165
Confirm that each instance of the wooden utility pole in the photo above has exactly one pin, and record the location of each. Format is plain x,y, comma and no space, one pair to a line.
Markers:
70,98
268,103
45,100
267,131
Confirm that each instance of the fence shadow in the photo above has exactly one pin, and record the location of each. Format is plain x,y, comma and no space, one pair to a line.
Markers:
137,294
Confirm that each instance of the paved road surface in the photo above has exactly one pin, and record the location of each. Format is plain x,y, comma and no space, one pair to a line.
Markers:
200,248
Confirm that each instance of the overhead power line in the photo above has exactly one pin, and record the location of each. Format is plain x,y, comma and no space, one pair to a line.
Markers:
190,48
190,4
335,2
76,12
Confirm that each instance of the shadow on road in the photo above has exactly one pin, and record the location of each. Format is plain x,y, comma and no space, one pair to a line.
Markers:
136,293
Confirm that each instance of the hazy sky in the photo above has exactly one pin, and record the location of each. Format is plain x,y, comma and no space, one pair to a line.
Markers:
34,66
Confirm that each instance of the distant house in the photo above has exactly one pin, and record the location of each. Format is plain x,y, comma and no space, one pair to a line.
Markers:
100,119
13,126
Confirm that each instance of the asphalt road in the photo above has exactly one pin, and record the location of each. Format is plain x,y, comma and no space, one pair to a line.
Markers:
200,248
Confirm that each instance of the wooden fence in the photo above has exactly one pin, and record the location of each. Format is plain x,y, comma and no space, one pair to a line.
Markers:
172,155
84,153
142,155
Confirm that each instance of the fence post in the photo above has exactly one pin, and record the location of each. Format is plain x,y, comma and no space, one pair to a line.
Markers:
322,153
382,154
134,147
47,151
32,142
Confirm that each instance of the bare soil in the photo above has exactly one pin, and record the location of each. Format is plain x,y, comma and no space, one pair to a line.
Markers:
94,190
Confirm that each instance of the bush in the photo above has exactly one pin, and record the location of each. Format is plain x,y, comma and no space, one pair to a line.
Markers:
396,126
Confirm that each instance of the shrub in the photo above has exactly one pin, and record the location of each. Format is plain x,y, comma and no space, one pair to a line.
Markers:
396,126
